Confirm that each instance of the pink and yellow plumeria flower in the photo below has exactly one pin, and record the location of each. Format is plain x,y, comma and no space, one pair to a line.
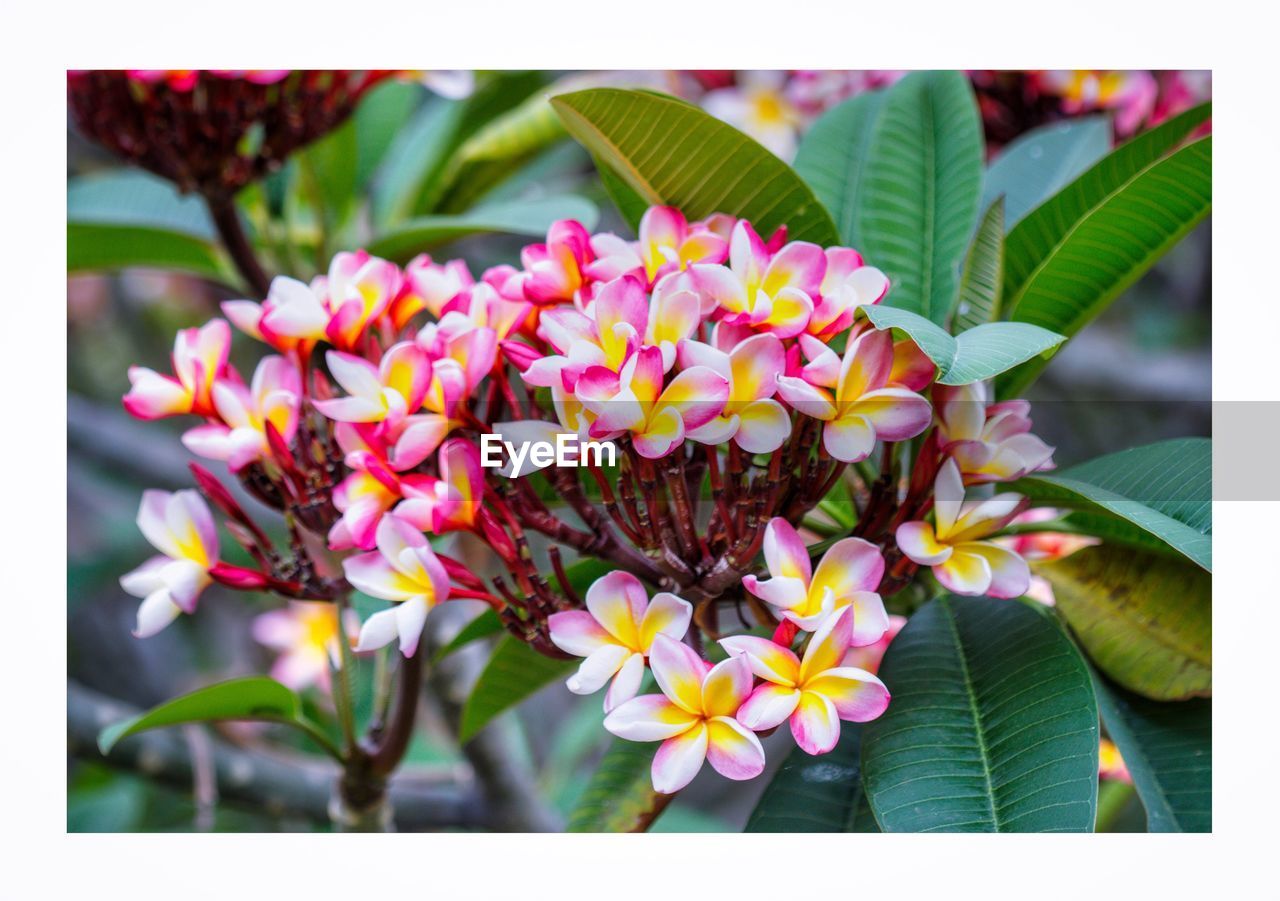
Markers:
274,397
667,243
290,305
554,272
618,321
388,392
403,570
864,407
306,635
815,692
990,442
180,526
616,633
635,401
847,284
1132,93
759,424
694,717
954,547
912,369
452,501
768,292
376,484
359,289
199,358
847,576
674,315
428,286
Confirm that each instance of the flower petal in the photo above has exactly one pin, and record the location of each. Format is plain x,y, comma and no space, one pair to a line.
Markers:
849,439
733,750
648,718
964,573
767,659
827,646
849,565
763,427
896,413
815,724
917,540
598,669
858,696
666,614
726,687
679,672
618,602
1010,575
577,632
768,706
679,759
626,683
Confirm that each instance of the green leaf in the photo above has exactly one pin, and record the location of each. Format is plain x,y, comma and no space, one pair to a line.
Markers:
980,280
993,725
522,217
486,624
620,792
817,794
1164,490
833,159
688,159
497,151
129,218
1068,260
1144,619
972,356
918,204
1041,162
1168,750
629,204
249,698
382,115
513,673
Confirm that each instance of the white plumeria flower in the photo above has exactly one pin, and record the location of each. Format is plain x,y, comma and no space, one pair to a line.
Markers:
404,570
180,526
694,717
814,692
307,636
759,106
616,633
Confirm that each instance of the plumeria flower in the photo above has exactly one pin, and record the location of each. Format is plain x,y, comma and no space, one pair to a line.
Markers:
1110,764
274,397
291,305
990,442
814,692
768,292
180,526
428,286
635,401
572,419
554,272
667,243
847,284
618,323
616,633
404,570
759,424
359,289
388,392
954,547
912,369
864,407
847,576
452,501
306,635
694,717
758,105
199,358
379,478
1132,93
674,315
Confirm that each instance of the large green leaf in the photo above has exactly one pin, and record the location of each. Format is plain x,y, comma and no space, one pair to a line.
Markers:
129,218
1146,620
993,725
670,152
833,159
513,673
521,217
381,115
1163,489
620,792
918,201
1041,162
980,280
1168,750
249,698
972,356
1065,262
817,794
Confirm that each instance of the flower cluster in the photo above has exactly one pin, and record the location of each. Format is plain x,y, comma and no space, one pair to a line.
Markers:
740,382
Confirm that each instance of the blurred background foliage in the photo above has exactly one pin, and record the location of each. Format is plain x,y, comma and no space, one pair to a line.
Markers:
474,177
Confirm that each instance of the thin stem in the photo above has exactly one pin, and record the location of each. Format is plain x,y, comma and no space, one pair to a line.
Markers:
227,221
395,740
